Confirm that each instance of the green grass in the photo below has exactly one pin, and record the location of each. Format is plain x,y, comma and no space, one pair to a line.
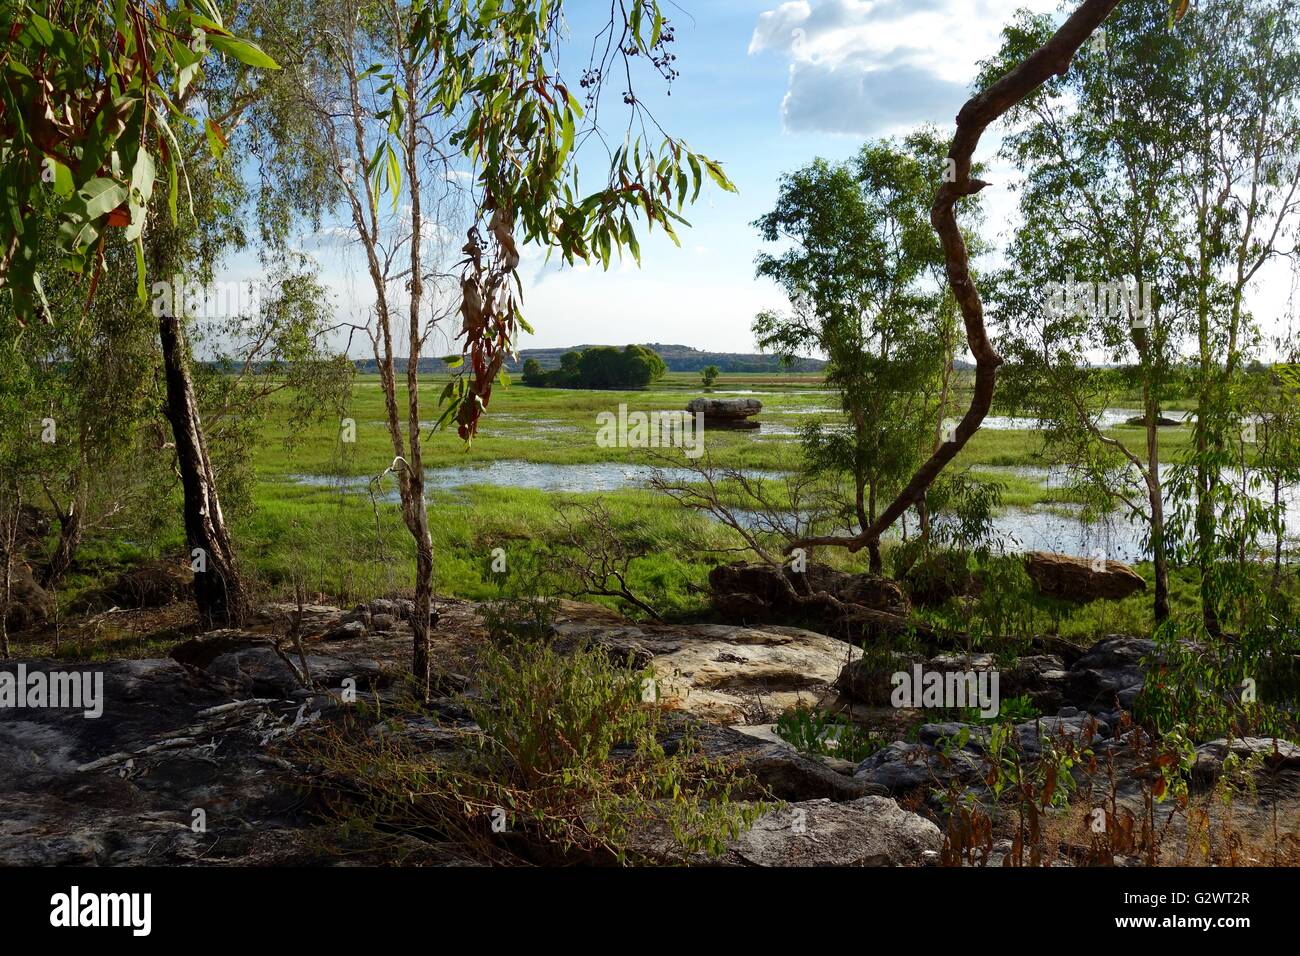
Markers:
346,548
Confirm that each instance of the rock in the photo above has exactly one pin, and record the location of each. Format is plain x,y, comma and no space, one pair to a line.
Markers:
904,767
872,609
30,605
723,673
247,664
938,579
763,582
1040,677
870,831
315,617
1161,421
867,679
151,585
121,789
348,630
777,769
1082,729
726,411
1077,579
155,584
1273,751
1109,669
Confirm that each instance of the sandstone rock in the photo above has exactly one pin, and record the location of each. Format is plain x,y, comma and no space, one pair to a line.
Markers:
872,609
904,767
1075,579
121,789
1274,752
723,673
721,411
348,630
869,831
1110,668
30,605
151,585
1161,421
937,579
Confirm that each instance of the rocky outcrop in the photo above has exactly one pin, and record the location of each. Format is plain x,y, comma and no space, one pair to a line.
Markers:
1110,673
1040,677
1082,580
30,605
722,673
939,578
1161,421
151,585
175,771
1270,751
864,608
726,412
870,831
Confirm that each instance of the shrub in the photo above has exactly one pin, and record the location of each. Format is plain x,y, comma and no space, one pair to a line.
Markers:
569,759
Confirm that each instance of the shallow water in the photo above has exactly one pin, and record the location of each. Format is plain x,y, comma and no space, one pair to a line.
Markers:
540,476
1042,528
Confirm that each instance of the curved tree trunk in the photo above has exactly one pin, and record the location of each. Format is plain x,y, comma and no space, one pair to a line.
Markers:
1053,58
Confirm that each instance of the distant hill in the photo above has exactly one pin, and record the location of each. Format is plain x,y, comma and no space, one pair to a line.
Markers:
678,358
683,358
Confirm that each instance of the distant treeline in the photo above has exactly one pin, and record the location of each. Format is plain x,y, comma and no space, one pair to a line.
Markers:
677,358
602,366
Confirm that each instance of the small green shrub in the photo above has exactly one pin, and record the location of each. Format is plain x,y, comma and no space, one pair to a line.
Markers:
818,734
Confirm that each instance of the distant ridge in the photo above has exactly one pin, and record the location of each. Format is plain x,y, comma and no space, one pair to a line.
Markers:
683,358
678,358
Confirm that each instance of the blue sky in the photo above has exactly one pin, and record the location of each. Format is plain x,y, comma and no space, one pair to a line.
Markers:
764,88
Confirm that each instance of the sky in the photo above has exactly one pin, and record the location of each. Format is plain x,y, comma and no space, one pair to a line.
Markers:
764,88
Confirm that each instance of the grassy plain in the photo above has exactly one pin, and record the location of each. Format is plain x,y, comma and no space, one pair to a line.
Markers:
311,517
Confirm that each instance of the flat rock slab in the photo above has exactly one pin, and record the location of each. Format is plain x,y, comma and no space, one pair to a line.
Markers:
870,831
723,673
123,788
1273,752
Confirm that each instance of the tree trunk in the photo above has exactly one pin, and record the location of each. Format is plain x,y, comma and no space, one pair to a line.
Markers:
70,531
218,588
1155,496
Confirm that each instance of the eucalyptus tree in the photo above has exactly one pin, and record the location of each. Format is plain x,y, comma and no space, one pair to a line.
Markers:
1096,219
1235,108
862,269
445,119
1050,59
86,402
130,91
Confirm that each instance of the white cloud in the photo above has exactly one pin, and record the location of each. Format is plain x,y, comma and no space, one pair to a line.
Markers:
867,67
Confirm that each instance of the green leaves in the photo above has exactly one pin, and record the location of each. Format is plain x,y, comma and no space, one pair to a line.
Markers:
243,51
142,177
82,113
216,138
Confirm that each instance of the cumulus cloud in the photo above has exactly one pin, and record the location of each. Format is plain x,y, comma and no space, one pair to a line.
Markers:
867,67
